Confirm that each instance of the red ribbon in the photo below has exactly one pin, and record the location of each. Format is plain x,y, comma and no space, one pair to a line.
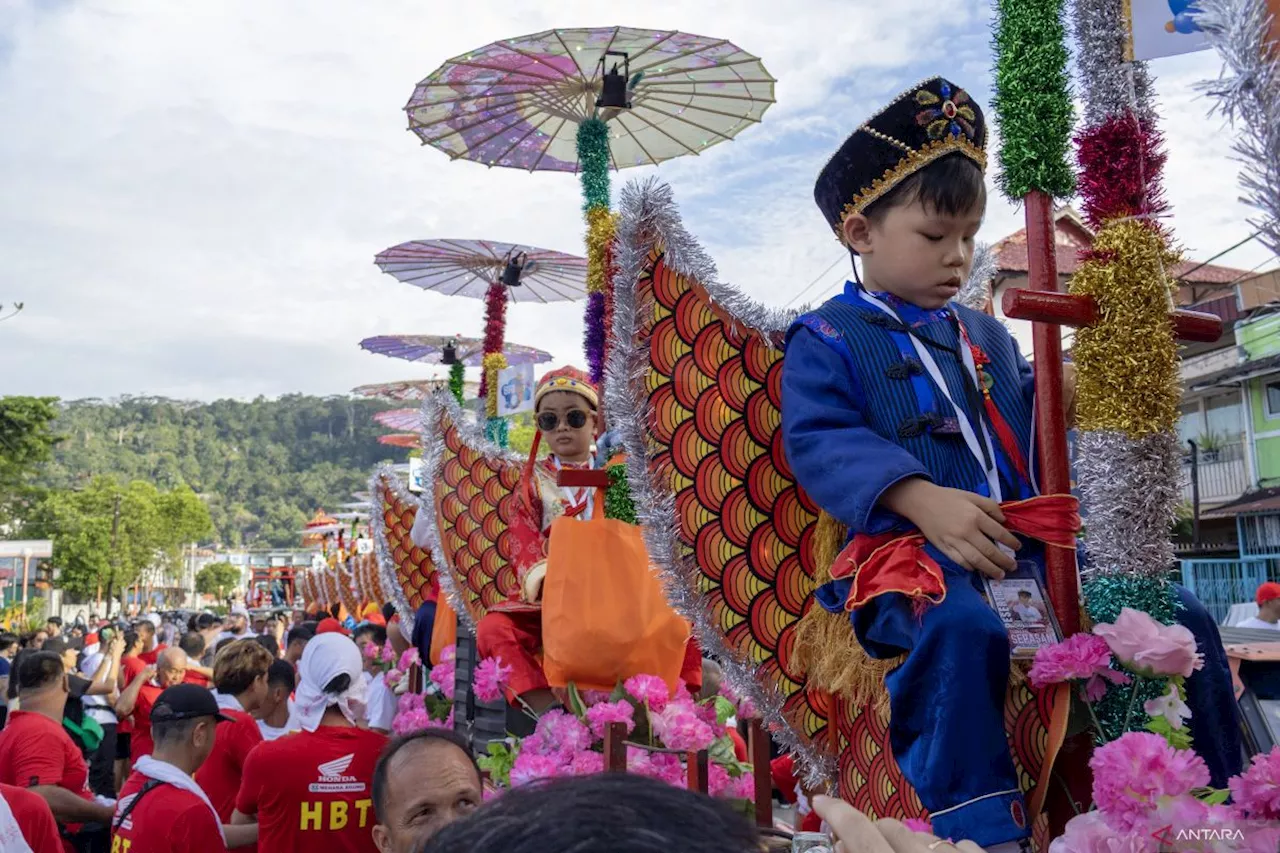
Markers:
898,562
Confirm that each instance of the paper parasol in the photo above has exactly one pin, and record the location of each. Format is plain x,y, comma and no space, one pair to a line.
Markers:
472,267
400,420
582,100
518,102
410,440
405,390
429,349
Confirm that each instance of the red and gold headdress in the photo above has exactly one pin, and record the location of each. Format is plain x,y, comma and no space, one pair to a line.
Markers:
569,379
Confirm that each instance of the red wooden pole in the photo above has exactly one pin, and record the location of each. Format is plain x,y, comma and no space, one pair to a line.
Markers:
1051,426
615,748
758,751
697,764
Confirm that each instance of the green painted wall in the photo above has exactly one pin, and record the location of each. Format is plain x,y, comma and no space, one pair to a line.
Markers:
1260,337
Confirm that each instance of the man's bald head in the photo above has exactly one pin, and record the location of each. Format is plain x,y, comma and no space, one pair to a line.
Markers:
171,667
423,782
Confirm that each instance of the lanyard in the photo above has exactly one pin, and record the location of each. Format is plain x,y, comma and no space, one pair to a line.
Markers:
576,496
982,450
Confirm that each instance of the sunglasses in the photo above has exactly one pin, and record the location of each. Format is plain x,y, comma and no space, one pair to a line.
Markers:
548,421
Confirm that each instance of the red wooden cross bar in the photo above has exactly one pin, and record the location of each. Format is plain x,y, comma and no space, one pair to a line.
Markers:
575,478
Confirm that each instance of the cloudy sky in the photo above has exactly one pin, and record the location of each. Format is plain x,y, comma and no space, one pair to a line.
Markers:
193,193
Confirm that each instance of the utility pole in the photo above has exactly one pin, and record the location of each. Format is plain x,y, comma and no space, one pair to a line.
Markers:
115,550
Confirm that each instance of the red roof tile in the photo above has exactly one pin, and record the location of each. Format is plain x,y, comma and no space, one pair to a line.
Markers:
1011,254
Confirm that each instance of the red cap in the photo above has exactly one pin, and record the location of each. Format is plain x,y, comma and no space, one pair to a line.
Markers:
1268,591
330,626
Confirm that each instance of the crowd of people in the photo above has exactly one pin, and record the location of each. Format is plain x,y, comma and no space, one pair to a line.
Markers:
213,736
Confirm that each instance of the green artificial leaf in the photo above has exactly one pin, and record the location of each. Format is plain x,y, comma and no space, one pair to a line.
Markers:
576,705
721,752
499,761
1176,738
1214,796
725,710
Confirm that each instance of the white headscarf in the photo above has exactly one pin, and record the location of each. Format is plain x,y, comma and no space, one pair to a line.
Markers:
325,657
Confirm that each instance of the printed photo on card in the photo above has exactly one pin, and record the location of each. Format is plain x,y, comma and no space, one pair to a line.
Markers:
1020,601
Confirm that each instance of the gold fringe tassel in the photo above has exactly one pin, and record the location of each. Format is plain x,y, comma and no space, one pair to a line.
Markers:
826,647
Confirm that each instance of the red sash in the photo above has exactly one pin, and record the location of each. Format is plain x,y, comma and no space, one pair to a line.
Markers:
898,562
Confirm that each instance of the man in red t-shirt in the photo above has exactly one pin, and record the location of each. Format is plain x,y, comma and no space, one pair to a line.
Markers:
37,753
161,808
34,819
313,790
140,697
240,674
150,648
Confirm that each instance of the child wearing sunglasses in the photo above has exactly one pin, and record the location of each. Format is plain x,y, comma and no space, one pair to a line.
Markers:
566,405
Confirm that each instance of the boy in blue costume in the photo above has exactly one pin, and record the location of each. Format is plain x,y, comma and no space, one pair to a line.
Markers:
908,419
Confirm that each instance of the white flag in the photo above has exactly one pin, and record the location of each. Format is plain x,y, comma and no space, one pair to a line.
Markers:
1163,28
515,390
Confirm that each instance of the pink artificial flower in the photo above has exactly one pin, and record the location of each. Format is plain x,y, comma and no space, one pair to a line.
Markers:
529,767
601,715
746,708
408,659
668,768
1133,773
1170,706
490,679
446,723
393,676
680,727
594,697
721,784
558,733
648,690
1149,648
443,676
917,824
586,762
638,761
370,651
1256,791
1089,833
449,653
1080,656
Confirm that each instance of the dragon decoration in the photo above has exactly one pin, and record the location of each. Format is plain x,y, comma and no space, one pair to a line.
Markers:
693,385
400,571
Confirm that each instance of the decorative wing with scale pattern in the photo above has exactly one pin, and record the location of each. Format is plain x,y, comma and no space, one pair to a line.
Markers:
406,573
474,497
694,389
698,406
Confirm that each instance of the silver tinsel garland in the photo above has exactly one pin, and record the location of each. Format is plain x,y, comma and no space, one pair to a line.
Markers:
977,290
1128,527
440,411
1129,486
1111,86
1248,94
388,571
648,217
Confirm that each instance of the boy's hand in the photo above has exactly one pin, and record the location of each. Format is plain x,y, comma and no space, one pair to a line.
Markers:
960,524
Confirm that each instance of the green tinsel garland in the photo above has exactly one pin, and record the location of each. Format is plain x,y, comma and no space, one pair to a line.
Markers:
1105,597
457,379
593,161
618,503
1033,98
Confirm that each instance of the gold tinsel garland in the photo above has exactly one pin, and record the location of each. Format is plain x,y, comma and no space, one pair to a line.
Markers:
601,225
493,362
1127,362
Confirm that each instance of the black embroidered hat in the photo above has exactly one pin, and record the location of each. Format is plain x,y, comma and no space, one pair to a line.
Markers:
929,121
